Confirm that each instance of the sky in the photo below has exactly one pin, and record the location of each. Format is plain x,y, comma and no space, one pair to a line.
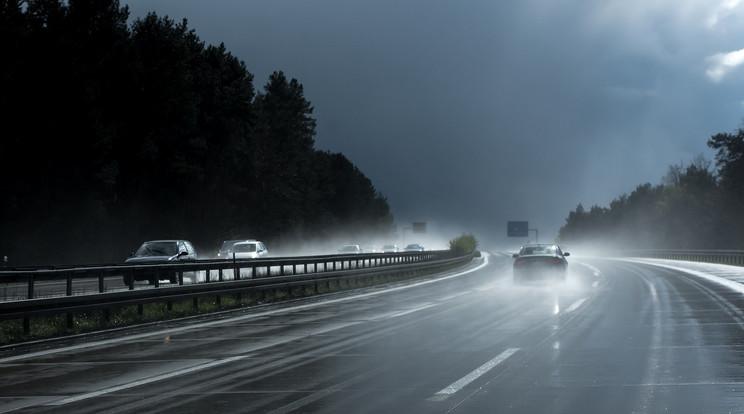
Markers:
469,113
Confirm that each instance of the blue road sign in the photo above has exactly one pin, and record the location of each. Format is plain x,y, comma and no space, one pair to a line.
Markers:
517,229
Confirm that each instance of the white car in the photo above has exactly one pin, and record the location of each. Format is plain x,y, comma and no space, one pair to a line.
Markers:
350,249
249,249
390,248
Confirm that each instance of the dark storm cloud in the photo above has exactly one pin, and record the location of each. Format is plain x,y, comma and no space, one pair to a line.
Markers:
469,113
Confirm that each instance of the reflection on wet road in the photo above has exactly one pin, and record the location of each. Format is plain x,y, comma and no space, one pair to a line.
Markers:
616,337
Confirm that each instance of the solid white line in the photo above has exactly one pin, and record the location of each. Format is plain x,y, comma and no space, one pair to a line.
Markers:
146,381
446,392
575,305
238,318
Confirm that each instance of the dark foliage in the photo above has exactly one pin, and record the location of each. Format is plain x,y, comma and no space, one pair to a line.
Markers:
696,207
115,133
463,244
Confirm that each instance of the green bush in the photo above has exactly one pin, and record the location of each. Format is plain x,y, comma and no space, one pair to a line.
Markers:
464,244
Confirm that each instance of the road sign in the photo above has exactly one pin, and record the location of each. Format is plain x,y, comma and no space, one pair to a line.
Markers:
419,227
517,229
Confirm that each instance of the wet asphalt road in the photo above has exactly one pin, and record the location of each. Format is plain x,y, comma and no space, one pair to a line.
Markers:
631,339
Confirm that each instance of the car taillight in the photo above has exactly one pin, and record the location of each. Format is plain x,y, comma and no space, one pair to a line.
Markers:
518,262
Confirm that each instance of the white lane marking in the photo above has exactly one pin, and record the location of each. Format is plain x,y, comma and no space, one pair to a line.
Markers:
446,392
199,367
575,305
590,267
144,381
456,295
239,318
395,314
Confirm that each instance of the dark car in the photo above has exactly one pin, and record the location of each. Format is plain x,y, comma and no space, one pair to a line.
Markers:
160,252
540,262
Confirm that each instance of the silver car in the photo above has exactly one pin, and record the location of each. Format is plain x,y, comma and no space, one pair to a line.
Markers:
350,249
414,248
390,248
249,249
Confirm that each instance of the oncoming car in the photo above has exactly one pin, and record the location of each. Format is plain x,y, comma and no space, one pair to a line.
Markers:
350,249
415,247
160,252
251,249
540,262
390,248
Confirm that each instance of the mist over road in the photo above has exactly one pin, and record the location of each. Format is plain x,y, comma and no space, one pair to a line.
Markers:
617,337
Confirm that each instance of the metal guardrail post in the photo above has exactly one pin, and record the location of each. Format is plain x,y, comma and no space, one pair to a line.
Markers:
130,281
30,291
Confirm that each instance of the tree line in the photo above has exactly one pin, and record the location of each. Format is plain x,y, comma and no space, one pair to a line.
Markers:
698,205
115,132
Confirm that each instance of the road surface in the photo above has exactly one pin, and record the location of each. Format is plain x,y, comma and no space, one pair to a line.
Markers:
618,337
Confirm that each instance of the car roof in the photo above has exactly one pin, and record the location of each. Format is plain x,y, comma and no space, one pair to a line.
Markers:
166,241
247,242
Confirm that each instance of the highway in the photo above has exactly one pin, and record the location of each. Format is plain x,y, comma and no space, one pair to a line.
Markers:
617,337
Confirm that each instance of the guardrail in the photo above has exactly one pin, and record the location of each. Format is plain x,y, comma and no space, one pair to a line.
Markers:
106,287
729,257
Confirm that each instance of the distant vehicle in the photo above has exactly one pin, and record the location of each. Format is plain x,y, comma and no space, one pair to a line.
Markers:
226,246
540,262
160,252
350,249
414,248
249,249
390,248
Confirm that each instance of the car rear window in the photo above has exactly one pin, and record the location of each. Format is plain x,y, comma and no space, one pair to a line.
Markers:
533,250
